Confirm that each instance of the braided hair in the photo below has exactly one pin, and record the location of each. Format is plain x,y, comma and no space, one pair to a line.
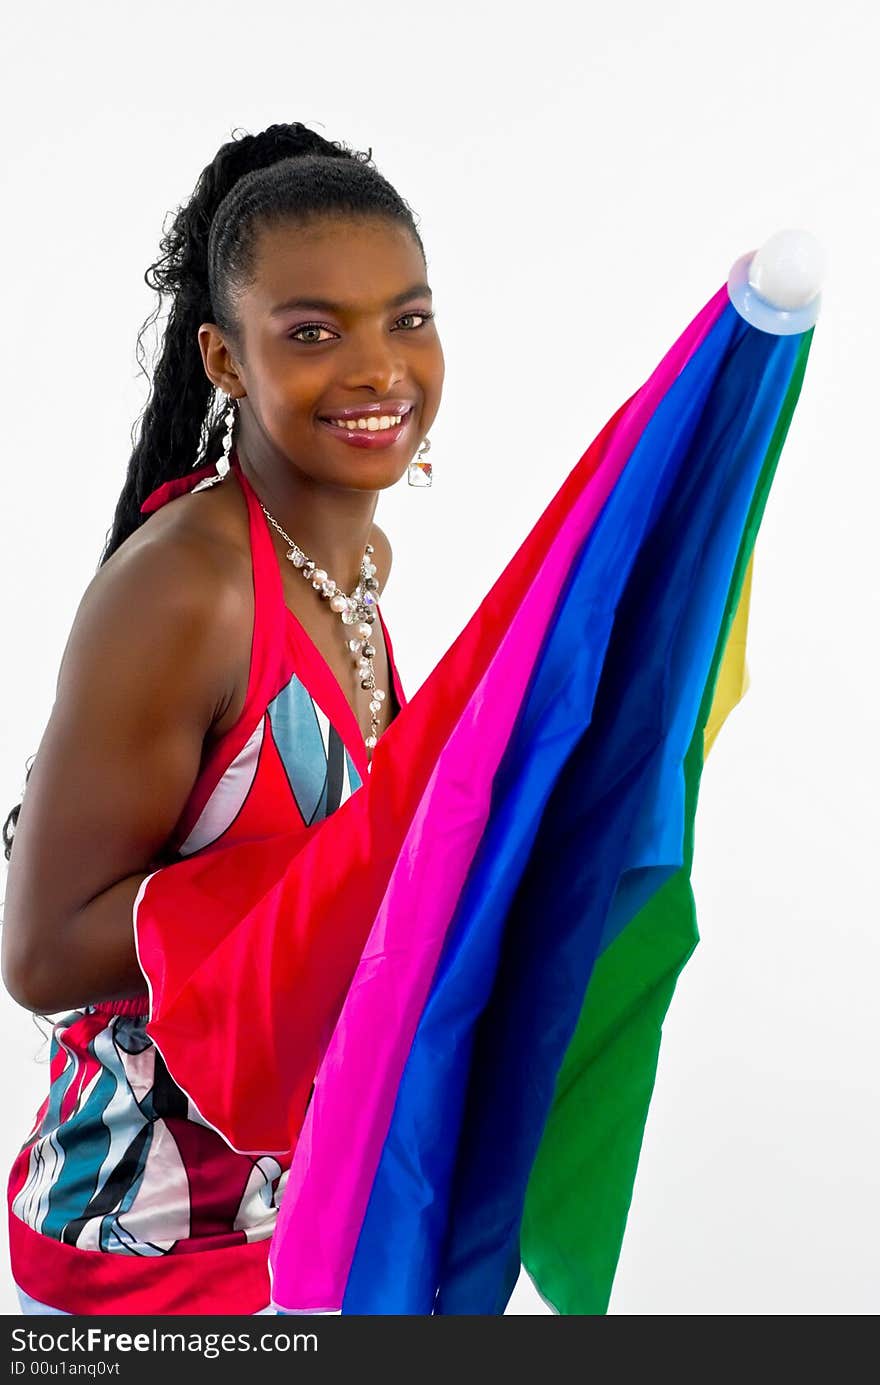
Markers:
283,174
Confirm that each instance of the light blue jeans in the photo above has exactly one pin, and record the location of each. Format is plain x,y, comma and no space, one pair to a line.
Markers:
32,1305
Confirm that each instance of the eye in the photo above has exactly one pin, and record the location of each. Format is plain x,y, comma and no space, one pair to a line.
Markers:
426,317
308,327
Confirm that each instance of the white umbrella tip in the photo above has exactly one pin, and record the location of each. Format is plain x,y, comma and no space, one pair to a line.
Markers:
788,270
778,287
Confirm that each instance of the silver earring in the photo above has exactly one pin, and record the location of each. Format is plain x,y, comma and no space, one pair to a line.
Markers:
222,462
419,472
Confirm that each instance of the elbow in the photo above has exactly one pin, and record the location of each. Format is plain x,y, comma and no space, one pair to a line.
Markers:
25,994
25,981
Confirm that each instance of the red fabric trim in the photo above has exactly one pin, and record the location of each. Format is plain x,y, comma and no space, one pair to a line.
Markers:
269,660
232,1280
169,490
134,1005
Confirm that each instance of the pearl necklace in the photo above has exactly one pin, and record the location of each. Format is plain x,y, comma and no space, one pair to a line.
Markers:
357,609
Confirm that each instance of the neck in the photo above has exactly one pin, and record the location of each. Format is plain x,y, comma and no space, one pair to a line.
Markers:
331,524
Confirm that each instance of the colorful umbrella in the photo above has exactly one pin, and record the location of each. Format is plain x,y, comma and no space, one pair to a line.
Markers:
467,965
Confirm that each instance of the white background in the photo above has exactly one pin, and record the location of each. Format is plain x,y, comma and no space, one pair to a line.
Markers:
584,177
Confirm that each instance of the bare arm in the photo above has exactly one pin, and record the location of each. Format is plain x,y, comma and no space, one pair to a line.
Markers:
145,673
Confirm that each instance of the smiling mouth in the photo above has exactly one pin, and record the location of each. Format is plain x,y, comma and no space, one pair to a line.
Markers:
368,423
370,433
367,438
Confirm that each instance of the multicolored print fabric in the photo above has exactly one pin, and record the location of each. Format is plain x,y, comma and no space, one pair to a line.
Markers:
120,1159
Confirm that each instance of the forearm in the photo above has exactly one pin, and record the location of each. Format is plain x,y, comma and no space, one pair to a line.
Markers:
91,958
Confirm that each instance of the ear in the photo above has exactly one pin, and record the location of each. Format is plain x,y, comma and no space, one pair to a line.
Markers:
220,366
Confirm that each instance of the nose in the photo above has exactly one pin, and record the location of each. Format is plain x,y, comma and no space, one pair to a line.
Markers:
377,365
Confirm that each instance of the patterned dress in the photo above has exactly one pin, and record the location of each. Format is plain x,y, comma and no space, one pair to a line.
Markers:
120,1180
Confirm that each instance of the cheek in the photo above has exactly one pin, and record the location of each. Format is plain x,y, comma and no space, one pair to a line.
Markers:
432,377
291,386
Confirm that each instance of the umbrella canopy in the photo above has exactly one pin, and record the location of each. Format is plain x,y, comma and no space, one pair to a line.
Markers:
467,964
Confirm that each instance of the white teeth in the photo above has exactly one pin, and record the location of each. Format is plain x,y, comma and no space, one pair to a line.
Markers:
372,424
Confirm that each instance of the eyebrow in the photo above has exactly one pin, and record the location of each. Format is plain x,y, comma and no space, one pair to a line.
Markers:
326,305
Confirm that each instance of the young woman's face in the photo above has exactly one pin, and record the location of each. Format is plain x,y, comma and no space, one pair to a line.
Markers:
371,342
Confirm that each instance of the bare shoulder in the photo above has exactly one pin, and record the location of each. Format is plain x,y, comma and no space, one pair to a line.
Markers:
213,523
185,556
182,577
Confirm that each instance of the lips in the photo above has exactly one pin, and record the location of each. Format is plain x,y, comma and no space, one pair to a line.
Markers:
368,437
387,406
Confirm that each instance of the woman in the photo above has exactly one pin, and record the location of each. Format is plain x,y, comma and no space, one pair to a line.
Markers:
428,1011
207,692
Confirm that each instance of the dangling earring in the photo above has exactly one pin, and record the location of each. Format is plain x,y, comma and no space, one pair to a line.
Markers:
419,472
222,462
